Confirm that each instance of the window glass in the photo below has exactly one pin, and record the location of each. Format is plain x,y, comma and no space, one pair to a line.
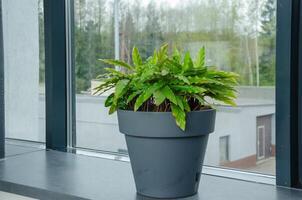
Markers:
238,36
24,69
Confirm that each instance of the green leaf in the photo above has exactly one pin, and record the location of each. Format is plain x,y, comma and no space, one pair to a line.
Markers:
105,86
164,72
226,100
169,94
180,102
189,89
182,78
188,63
109,100
159,97
230,102
146,95
136,57
200,59
196,72
134,94
176,55
117,63
112,109
115,72
186,104
179,115
200,99
162,53
120,89
155,58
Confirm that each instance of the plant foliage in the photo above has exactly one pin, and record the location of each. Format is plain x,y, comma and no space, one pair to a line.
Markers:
165,83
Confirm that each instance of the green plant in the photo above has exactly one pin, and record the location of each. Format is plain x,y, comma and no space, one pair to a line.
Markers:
166,83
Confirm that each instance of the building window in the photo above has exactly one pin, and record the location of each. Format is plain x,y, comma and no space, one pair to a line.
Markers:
224,149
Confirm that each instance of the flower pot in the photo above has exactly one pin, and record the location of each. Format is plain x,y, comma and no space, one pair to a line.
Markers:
166,161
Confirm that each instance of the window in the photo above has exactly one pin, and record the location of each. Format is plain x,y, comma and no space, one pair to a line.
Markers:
239,38
224,149
24,69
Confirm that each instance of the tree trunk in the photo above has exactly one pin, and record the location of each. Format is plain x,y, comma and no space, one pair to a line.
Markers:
257,62
249,62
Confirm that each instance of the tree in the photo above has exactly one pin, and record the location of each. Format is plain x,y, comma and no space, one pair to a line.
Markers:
152,30
41,43
127,34
267,39
232,36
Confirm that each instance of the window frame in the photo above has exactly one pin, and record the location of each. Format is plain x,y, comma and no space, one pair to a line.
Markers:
56,88
2,97
288,94
60,95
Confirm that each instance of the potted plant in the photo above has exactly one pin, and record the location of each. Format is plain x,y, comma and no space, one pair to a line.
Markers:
163,110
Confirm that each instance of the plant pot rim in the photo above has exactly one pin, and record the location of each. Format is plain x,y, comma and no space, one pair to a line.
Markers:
161,112
163,124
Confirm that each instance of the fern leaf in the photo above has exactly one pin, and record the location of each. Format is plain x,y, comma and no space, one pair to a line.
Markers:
109,100
180,102
120,89
159,97
146,95
200,59
169,94
162,53
176,55
133,95
136,57
117,63
179,115
188,63
189,89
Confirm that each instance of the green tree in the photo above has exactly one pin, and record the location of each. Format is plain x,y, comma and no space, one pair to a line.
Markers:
41,43
267,39
152,30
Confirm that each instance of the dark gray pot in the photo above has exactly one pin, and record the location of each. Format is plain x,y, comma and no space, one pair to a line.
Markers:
166,161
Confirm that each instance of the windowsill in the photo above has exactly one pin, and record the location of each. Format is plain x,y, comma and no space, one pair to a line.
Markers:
57,175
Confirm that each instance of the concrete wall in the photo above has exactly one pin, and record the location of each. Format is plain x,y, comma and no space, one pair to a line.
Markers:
95,128
21,66
240,124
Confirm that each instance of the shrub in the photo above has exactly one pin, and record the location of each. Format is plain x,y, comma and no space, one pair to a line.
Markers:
167,83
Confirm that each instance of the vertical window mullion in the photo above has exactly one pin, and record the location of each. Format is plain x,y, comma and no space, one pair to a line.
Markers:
70,63
55,74
287,93
2,108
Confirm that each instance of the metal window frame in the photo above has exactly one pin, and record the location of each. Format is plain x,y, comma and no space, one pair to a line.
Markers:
2,97
70,79
56,91
59,74
288,94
